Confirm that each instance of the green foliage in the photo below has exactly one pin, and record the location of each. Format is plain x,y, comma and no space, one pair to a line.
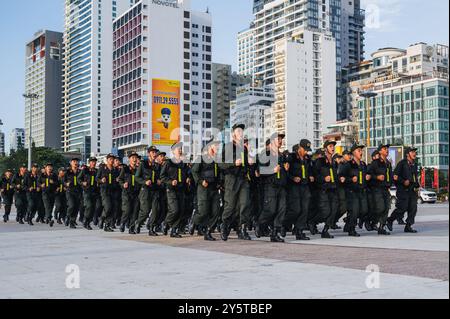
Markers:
41,156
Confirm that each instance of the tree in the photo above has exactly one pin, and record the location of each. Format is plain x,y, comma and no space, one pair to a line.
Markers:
41,156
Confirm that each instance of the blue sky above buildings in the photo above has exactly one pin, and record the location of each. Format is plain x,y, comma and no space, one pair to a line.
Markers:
396,23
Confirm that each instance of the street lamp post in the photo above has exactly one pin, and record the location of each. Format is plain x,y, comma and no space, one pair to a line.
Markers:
31,97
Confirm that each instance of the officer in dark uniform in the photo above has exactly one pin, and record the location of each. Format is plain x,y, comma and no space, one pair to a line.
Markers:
33,193
273,169
130,194
149,179
339,161
298,190
255,198
107,177
73,192
315,188
48,182
206,174
327,178
117,204
20,194
407,181
235,167
174,175
371,224
382,176
356,178
162,194
60,198
7,193
91,192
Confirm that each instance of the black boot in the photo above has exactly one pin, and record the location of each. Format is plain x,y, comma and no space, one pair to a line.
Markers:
21,222
87,226
409,229
382,231
313,229
166,230
59,221
283,232
368,226
275,236
361,223
401,222
208,236
131,231
244,233
390,224
108,229
174,234
50,222
192,228
5,218
258,232
123,227
301,236
73,226
201,231
326,234
152,232
353,233
224,232
30,221
101,225
346,228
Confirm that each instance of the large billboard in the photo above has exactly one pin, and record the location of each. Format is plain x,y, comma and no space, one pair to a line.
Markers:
165,111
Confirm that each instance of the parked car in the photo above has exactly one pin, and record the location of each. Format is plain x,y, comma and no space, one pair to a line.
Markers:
426,196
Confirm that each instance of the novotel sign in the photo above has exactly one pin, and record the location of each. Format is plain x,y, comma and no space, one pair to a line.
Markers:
166,3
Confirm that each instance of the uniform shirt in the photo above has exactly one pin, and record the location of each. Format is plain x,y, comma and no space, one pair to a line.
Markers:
71,181
406,171
111,176
267,161
32,183
19,183
206,169
300,168
149,171
175,171
50,183
60,187
352,169
6,185
231,152
380,167
89,175
128,175
325,168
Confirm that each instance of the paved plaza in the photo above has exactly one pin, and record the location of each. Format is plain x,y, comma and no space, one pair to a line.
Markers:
39,262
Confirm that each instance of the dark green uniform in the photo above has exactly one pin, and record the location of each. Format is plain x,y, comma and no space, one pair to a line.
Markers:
49,184
236,190
7,191
73,196
327,196
149,195
274,184
407,187
33,195
60,201
91,195
380,191
299,194
108,190
356,194
130,197
20,197
208,198
341,194
175,194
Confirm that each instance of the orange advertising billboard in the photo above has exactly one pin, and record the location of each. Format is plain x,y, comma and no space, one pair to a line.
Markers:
165,111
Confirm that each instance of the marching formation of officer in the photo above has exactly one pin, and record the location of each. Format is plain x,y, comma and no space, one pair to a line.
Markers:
271,192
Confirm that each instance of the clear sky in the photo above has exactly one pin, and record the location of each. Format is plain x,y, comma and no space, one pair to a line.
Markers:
396,23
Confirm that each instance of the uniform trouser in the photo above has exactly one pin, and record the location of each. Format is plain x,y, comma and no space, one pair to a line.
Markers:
406,202
237,199
108,202
7,201
73,205
371,215
357,207
49,204
313,210
149,205
328,206
298,201
343,203
117,205
208,206
33,200
176,211
382,204
92,204
130,207
274,210
60,206
162,206
21,204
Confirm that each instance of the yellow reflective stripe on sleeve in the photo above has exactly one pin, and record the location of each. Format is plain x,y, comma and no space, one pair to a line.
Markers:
388,173
110,178
60,188
7,186
360,177
34,185
180,178
279,175
132,180
332,175
243,159
303,172
75,181
153,177
92,180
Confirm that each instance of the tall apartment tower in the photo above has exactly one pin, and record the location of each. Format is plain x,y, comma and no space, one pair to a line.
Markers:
246,51
17,139
44,78
87,85
162,81
225,86
2,144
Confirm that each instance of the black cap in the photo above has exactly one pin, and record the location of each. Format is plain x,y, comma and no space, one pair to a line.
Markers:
295,148
61,169
336,156
356,146
306,145
133,154
35,165
93,159
383,146
23,166
276,135
375,153
75,159
110,155
152,149
319,152
161,154
49,164
410,149
177,145
236,126
327,143
8,170
346,152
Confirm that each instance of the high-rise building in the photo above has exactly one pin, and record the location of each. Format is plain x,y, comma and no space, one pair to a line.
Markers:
44,78
246,51
87,80
2,144
17,139
225,85
162,81
280,19
401,97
